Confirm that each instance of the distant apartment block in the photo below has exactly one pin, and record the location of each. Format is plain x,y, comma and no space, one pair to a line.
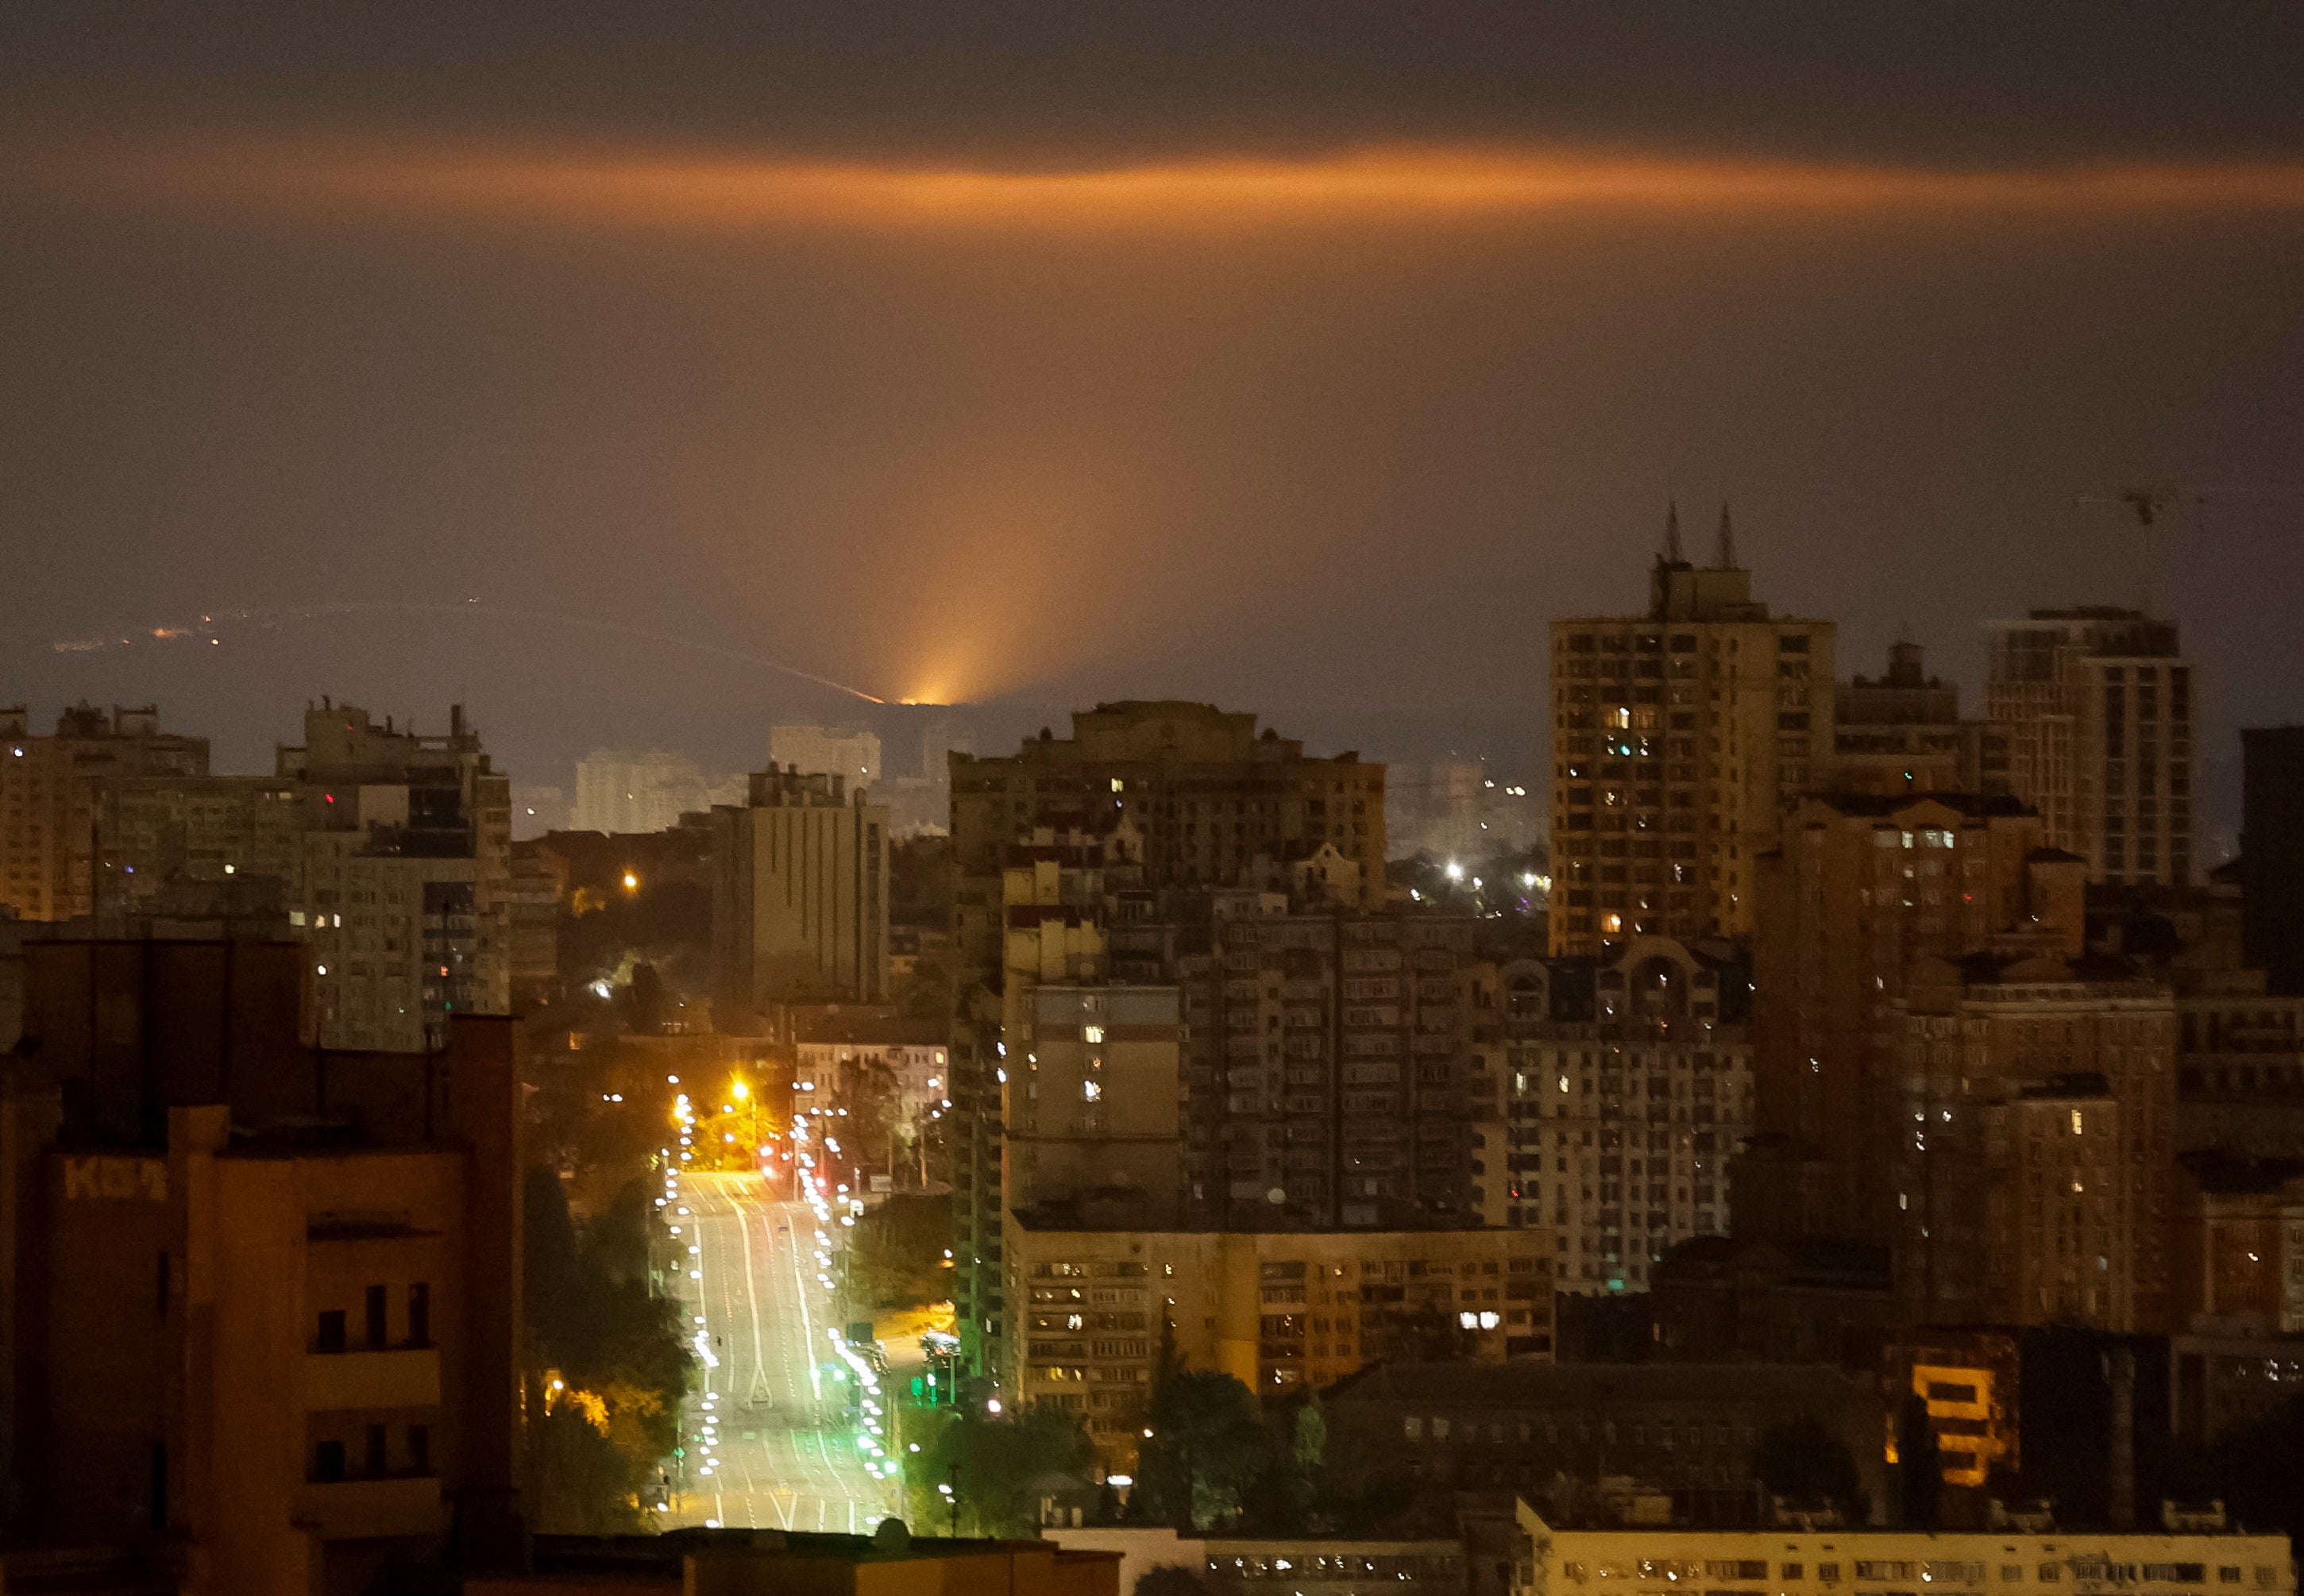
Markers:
800,896
624,793
1864,887
1625,1087
2034,1162
1279,1310
1901,732
51,790
853,756
2094,707
1461,809
403,895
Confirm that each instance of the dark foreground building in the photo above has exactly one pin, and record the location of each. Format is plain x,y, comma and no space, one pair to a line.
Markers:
261,1300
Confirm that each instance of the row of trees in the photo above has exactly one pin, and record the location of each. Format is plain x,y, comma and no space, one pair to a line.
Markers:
606,1367
899,1254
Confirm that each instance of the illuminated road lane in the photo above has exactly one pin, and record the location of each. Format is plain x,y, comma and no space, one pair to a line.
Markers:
784,1453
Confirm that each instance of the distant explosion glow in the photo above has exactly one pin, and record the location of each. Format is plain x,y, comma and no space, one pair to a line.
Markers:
208,628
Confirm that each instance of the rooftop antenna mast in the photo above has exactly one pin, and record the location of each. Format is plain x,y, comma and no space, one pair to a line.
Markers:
1671,554
1724,556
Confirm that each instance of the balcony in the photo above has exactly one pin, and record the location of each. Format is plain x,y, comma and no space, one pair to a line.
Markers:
357,1509
396,1377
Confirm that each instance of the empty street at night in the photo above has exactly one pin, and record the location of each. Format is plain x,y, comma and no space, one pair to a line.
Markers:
769,1420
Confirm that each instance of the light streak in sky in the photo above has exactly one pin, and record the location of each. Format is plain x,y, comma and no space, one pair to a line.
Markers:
710,191
211,623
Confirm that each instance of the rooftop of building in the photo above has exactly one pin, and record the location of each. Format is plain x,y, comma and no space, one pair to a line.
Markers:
666,1553
1969,805
84,720
2105,630
1163,731
2009,1536
1811,1260
2224,1172
342,743
1086,1218
2007,968
2088,612
845,1025
1520,1384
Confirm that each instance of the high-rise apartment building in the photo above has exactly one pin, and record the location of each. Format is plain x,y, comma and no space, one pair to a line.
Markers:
1901,732
1071,855
50,793
402,894
2035,1158
851,754
799,897
1331,1077
1625,1087
1863,888
2095,708
1678,738
624,794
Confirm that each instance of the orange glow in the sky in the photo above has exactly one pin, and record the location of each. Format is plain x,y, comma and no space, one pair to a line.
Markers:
1404,185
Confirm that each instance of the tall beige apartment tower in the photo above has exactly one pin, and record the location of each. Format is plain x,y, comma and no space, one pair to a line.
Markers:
800,896
2094,706
1678,738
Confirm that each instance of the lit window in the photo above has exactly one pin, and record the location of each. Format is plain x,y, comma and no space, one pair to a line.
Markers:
1091,1033
1092,1091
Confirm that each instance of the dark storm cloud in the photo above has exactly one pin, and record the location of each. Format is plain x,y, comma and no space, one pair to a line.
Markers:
1054,84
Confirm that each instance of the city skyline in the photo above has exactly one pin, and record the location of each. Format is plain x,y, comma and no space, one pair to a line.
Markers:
1482,799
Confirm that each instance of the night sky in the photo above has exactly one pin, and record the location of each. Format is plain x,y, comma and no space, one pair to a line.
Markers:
1308,358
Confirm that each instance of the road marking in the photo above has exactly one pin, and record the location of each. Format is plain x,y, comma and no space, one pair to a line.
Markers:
752,1302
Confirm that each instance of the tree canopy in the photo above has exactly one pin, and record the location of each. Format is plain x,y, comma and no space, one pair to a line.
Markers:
1801,1459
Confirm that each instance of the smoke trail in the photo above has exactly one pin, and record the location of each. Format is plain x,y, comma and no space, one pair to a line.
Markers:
212,623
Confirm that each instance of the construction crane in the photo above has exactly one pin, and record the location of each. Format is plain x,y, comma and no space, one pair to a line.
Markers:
2150,504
